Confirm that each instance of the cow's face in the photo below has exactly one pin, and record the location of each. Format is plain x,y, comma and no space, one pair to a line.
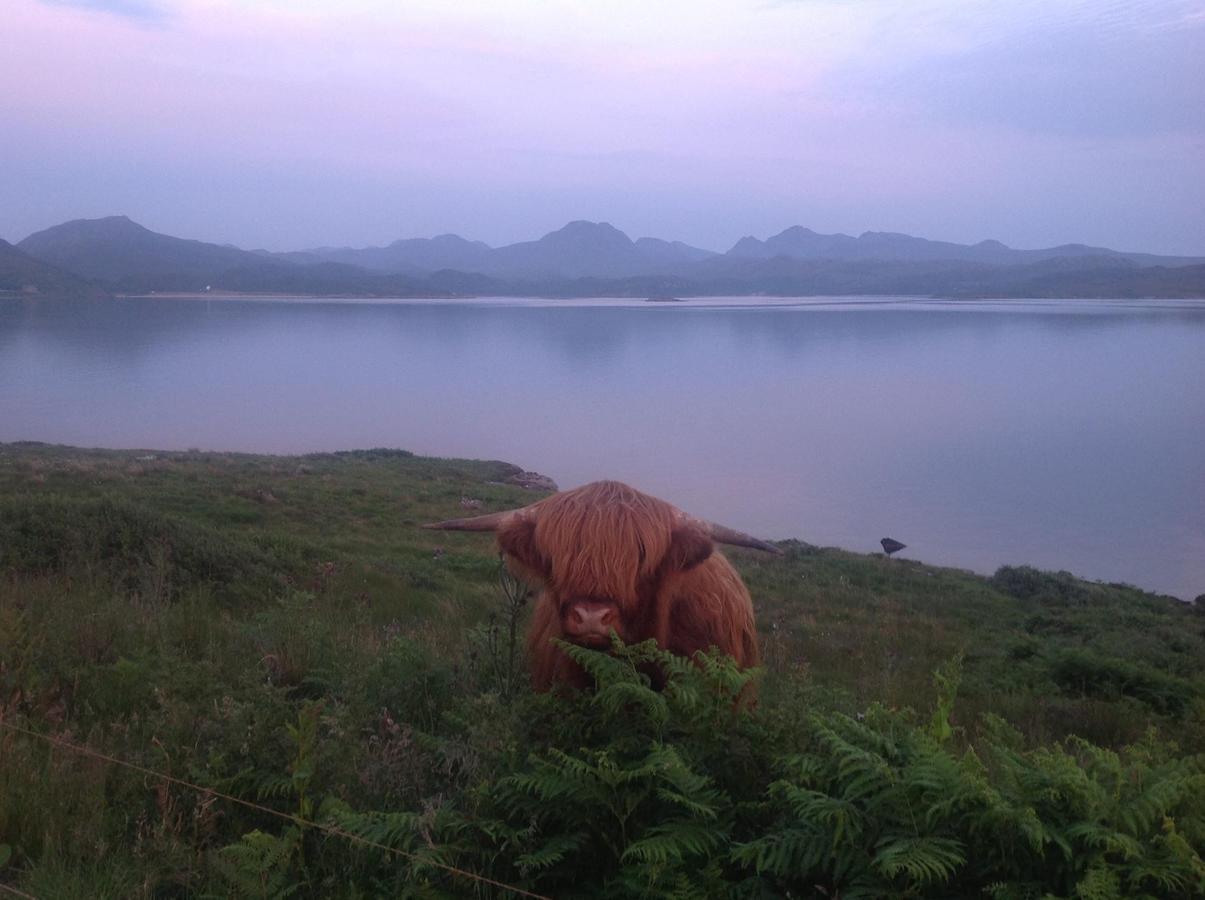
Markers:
602,553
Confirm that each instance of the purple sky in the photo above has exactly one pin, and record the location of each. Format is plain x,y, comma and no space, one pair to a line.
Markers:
294,123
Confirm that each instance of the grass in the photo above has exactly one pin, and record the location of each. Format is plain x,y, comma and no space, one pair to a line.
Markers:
182,610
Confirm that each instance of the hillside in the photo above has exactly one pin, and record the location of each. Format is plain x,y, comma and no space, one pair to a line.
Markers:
124,255
798,242
279,629
24,276
408,256
784,277
578,250
328,279
1113,281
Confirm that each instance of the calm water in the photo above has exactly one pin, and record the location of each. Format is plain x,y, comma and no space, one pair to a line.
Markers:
1064,435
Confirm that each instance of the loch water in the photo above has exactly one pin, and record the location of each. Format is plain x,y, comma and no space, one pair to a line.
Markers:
1061,434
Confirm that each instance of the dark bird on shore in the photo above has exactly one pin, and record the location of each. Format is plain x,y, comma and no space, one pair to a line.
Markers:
891,545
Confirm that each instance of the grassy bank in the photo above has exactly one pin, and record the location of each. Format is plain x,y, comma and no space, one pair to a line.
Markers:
279,629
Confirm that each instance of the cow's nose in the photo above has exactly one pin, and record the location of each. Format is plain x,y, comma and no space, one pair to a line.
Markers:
594,617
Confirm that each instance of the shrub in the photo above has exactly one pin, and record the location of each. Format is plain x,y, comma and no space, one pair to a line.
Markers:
144,552
1027,583
1092,675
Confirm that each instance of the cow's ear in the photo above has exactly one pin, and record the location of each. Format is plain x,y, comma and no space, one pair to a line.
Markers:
688,547
517,539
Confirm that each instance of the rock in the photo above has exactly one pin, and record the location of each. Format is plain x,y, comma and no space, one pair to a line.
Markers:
533,481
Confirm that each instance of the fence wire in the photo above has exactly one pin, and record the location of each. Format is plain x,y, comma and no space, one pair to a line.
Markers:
230,798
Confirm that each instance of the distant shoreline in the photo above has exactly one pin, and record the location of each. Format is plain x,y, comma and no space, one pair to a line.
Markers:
749,301
745,300
285,297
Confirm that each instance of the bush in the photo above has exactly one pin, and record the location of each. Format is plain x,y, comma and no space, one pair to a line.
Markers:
1092,675
407,683
143,552
1059,588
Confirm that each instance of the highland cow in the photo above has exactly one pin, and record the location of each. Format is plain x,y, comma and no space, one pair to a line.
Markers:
611,559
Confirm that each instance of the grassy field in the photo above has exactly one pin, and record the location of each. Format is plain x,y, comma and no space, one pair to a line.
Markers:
280,629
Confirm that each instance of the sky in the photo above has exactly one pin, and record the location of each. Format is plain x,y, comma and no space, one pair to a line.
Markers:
286,124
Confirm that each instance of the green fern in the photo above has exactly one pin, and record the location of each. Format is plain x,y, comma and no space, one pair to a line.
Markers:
921,860
259,864
552,851
673,842
687,791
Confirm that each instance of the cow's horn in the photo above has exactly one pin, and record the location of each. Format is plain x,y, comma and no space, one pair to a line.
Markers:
726,535
488,522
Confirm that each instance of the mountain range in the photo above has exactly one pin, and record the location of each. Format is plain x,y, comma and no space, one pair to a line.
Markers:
115,254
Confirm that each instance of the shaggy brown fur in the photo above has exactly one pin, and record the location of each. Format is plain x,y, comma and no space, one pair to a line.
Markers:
608,543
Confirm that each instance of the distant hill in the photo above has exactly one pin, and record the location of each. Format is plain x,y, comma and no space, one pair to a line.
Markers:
23,275
414,255
657,250
580,249
125,256
798,242
595,258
